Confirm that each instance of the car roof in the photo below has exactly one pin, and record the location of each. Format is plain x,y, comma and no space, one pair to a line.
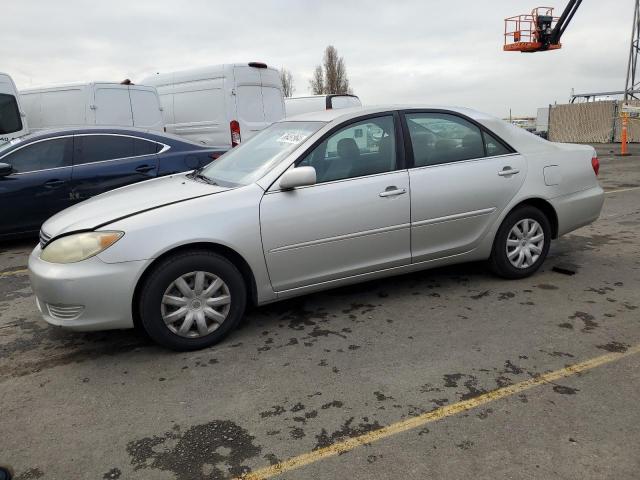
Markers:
342,114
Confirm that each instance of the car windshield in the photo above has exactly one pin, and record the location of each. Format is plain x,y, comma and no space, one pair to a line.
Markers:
251,160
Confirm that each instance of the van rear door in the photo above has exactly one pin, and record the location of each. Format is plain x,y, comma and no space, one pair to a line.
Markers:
112,105
248,93
145,106
272,97
259,99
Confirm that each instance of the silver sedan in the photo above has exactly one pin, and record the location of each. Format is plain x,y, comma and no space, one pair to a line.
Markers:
314,202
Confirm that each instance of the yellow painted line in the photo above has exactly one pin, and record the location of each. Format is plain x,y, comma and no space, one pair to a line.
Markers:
432,416
621,190
14,272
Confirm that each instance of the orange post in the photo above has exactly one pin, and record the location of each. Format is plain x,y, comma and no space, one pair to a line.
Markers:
624,150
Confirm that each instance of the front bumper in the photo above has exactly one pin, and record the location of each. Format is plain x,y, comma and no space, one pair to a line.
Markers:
87,295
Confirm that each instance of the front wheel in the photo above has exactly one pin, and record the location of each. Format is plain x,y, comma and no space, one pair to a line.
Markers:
521,244
192,300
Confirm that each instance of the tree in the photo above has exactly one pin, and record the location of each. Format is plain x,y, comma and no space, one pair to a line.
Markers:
335,72
332,79
286,78
317,82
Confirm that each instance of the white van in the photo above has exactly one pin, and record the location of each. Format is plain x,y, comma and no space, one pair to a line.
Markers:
222,104
12,121
315,103
95,103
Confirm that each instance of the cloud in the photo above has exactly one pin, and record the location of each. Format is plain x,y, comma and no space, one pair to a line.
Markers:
406,51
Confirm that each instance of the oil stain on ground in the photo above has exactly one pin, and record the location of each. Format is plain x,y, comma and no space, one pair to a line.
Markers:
213,450
347,430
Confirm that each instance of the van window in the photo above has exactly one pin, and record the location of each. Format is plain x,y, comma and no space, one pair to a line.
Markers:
42,155
10,120
98,148
113,107
145,108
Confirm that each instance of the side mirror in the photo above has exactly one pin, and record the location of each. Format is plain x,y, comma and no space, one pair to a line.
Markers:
298,177
5,169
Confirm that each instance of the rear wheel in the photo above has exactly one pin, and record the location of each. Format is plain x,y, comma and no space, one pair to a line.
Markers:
192,300
521,244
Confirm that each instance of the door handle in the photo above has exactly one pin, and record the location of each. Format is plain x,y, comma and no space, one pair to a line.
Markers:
54,183
508,171
392,192
144,168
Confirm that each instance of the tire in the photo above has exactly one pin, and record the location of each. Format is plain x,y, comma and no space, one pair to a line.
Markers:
537,222
201,319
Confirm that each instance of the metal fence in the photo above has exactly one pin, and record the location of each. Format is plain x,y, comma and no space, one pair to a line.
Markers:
592,122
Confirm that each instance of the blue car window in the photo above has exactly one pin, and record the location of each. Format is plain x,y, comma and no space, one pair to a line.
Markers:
144,147
98,148
42,155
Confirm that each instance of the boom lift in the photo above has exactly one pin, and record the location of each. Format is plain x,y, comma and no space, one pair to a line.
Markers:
538,31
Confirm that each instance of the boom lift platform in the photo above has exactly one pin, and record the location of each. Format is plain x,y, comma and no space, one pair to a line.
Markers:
538,31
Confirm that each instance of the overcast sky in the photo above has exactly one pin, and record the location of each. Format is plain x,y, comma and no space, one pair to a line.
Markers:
413,51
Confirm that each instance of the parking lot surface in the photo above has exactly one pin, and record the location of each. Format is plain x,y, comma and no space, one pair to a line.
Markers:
439,374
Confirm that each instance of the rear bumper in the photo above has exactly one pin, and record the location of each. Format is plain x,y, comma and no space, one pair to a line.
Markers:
578,209
87,295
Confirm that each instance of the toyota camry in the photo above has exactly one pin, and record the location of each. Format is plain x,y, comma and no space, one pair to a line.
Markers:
313,202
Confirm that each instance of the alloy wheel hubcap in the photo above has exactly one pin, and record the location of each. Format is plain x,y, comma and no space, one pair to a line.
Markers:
525,243
195,304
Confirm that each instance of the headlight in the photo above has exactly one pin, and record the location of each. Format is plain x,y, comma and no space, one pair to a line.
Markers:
79,246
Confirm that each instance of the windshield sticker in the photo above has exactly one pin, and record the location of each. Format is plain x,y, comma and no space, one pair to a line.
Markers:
292,137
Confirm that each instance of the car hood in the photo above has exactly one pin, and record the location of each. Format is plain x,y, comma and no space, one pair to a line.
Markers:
127,201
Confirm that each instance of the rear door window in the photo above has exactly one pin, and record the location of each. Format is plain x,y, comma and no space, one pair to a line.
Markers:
10,120
443,138
44,155
98,148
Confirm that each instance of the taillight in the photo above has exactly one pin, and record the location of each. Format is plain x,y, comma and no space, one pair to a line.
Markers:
595,163
215,155
235,133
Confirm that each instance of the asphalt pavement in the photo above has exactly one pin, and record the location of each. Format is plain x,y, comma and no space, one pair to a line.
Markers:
443,374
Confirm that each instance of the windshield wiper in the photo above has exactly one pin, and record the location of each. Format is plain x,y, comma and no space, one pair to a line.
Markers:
199,176
205,179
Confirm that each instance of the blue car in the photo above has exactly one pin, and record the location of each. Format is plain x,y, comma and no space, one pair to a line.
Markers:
43,173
